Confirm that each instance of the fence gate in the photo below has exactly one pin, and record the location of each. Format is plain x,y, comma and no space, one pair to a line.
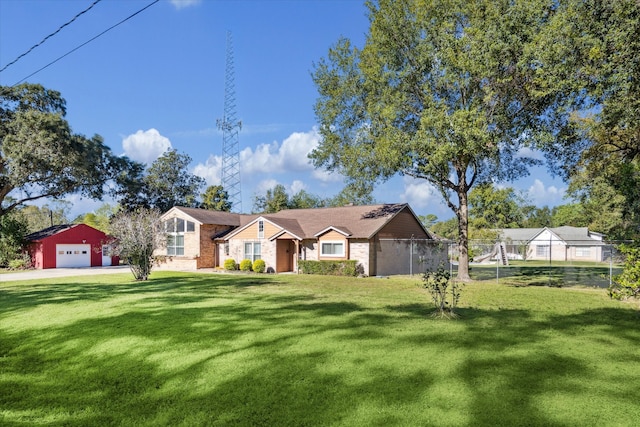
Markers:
409,256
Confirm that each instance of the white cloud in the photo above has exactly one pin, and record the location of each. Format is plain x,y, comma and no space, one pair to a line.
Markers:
296,186
419,193
530,153
545,196
210,170
181,4
327,177
290,156
145,146
264,185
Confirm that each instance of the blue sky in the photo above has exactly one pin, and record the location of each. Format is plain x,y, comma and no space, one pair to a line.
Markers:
157,82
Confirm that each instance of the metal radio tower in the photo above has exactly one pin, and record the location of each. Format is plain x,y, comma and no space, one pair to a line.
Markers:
230,127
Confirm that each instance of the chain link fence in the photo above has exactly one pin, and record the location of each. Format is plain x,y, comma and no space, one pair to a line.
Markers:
542,263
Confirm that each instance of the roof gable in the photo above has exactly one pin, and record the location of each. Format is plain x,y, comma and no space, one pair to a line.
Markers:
567,234
204,216
60,229
342,231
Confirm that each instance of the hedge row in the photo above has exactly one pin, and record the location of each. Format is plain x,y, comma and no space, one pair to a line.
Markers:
329,268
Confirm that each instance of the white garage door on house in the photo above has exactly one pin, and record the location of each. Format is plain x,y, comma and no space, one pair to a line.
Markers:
73,255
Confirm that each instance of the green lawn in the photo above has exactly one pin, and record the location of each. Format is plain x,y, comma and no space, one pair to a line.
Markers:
539,273
200,349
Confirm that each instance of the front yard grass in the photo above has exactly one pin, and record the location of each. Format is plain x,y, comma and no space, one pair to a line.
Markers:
215,349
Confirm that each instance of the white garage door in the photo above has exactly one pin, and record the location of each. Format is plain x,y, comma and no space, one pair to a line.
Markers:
73,256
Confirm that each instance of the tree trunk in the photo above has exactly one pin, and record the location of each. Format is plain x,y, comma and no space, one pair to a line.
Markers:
463,237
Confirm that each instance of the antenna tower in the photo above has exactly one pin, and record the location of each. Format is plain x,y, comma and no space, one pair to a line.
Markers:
230,127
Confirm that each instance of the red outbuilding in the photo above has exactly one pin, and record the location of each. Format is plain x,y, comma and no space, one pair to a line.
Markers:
70,245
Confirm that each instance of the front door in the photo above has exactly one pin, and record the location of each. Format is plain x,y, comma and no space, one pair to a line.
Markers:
285,252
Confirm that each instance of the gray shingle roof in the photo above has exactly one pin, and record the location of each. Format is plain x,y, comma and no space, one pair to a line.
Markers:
570,235
205,216
359,221
48,232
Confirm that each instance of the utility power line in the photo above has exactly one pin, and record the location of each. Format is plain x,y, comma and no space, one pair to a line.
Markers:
88,41
50,35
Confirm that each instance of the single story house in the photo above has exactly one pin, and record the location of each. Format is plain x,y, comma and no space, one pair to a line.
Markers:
385,239
556,244
70,245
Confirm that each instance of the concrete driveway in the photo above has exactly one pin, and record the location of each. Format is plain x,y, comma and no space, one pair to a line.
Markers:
62,272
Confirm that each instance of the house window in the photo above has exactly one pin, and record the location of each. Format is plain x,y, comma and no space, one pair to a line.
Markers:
583,251
179,225
334,249
175,244
542,250
252,251
226,248
175,229
260,229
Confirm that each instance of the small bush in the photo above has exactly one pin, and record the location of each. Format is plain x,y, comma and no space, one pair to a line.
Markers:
330,268
245,265
230,264
19,264
627,284
259,266
445,295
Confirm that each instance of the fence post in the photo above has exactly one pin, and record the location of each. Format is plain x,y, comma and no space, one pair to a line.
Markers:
610,265
498,259
411,258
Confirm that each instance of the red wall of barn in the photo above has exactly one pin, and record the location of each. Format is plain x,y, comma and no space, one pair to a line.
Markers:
44,252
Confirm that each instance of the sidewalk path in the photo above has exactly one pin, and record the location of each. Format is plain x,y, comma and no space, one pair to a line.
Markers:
62,272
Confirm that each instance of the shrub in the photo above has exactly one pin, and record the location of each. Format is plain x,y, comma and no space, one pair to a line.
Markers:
230,264
627,284
259,266
444,293
20,263
245,265
329,268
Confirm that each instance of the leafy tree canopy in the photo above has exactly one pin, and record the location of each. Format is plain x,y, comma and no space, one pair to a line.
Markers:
275,200
100,218
165,184
492,207
443,91
594,64
41,217
216,198
13,229
40,156
428,220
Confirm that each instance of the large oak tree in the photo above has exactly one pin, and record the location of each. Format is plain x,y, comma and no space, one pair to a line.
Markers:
40,156
443,90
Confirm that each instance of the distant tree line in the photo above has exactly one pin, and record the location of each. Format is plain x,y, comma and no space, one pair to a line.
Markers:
492,208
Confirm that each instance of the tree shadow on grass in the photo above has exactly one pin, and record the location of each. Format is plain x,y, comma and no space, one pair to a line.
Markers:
215,353
66,290
512,365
